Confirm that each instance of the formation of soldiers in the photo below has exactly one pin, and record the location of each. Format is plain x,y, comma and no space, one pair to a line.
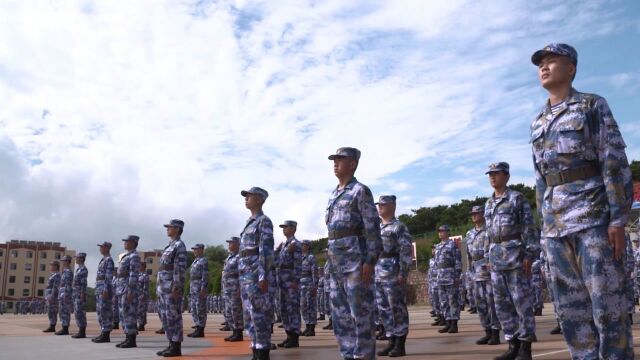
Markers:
581,254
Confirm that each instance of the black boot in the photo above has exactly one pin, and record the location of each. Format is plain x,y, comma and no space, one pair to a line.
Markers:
556,330
399,350
195,330
64,331
141,327
174,350
329,326
274,346
283,343
485,339
525,351
51,328
495,337
104,337
312,330
130,342
436,322
293,341
321,317
305,331
453,329
81,334
237,336
200,332
225,328
446,327
116,326
473,311
512,352
433,313
538,312
160,331
126,338
262,354
390,345
161,352
380,332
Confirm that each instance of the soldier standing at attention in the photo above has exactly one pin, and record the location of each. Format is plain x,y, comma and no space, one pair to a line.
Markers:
289,272
584,196
308,289
65,295
254,266
128,290
320,296
170,287
391,272
537,284
51,295
327,292
143,296
478,251
199,282
514,247
115,300
449,263
432,283
231,292
80,296
104,290
354,245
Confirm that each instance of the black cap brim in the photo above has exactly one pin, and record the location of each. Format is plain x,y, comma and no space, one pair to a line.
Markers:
334,156
537,56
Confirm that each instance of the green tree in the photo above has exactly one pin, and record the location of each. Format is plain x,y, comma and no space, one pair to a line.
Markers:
635,170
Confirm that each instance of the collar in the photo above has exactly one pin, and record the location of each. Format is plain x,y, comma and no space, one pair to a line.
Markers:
349,185
503,196
257,215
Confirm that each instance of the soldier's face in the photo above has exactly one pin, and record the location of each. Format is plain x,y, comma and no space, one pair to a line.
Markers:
80,261
305,249
129,245
288,231
477,217
252,201
53,268
104,250
443,235
172,231
498,179
555,70
386,210
344,166
233,246
198,252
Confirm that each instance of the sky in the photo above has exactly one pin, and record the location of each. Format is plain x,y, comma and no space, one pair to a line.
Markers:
115,118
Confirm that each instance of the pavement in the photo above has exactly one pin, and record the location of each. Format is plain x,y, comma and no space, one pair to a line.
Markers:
21,337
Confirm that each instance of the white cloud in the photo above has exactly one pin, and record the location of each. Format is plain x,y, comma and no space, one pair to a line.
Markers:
439,200
458,185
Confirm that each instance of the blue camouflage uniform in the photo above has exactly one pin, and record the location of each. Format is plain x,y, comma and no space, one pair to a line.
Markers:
327,290
65,295
636,272
354,239
198,284
583,186
393,263
80,294
143,298
308,287
104,291
115,300
171,278
51,294
254,265
127,287
513,237
231,291
449,264
432,285
289,260
629,265
537,284
320,295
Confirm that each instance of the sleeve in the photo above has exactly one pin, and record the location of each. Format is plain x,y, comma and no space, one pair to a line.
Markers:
458,261
83,279
613,163
134,273
466,241
180,268
529,233
266,243
406,250
297,260
205,275
314,270
108,275
56,286
68,284
371,222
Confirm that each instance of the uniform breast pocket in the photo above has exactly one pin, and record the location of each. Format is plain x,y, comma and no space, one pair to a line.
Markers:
165,281
537,142
571,135
505,218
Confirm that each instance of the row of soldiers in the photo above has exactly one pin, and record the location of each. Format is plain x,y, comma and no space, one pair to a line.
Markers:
26,306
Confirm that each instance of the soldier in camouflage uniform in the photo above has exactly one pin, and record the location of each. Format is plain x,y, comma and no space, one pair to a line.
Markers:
514,247
449,263
143,296
308,289
392,272
320,295
546,273
170,287
65,295
327,292
636,271
584,196
127,288
231,292
103,293
51,295
80,296
354,245
115,301
198,284
289,260
478,245
432,284
254,266
629,265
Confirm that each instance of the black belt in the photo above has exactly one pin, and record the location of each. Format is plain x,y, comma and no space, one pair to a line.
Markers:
166,267
306,274
100,277
249,252
571,175
123,275
286,266
501,239
339,234
232,276
386,255
477,258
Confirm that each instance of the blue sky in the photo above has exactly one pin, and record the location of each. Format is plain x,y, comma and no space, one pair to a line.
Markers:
114,119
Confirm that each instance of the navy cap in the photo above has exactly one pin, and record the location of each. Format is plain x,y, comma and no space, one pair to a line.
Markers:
135,238
66,258
497,167
106,243
81,254
386,199
256,191
234,239
477,209
289,223
306,242
175,223
198,246
346,152
555,49
443,228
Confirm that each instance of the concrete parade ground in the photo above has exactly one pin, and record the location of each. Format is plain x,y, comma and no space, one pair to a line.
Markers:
21,337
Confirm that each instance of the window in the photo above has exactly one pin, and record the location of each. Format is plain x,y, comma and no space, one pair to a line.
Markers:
27,279
149,260
43,254
57,256
41,280
12,279
29,254
11,292
28,266
149,272
13,266
1,252
0,265
43,267
25,292
10,305
40,292
14,253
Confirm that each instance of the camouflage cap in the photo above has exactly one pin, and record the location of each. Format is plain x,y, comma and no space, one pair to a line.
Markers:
233,239
105,243
289,223
175,223
444,228
256,191
346,152
386,199
478,209
66,258
81,255
497,167
306,242
134,238
555,49
197,246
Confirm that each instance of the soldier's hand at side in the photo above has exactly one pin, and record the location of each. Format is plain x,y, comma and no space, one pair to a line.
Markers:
400,280
83,297
129,298
294,287
526,266
367,273
203,293
263,285
616,239
105,296
175,294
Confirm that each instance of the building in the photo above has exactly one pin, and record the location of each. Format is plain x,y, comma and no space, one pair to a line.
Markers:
152,258
24,268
